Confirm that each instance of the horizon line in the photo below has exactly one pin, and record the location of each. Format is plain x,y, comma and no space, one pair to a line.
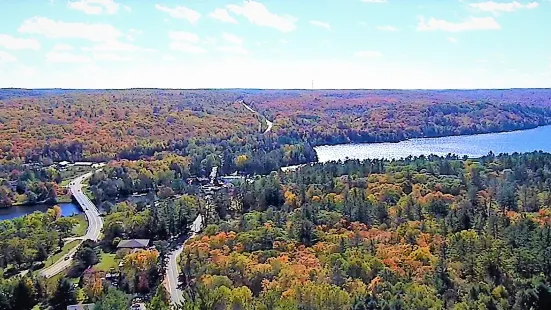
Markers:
295,89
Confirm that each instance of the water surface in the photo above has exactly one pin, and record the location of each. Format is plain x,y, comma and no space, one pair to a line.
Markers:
537,139
67,209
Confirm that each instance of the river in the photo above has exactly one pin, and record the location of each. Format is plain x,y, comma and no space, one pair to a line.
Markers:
537,139
67,209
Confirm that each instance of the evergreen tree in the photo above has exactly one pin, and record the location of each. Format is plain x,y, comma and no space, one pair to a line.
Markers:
64,295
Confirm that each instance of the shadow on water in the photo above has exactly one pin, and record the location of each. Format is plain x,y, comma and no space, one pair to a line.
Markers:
67,209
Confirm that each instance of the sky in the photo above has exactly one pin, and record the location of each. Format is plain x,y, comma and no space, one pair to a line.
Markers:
371,44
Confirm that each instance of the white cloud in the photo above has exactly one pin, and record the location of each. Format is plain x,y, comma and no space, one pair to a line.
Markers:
13,43
169,58
185,42
133,33
186,47
58,29
283,41
452,39
183,36
181,12
232,38
222,15
189,72
259,15
368,54
471,23
320,24
387,28
95,7
115,46
66,57
63,47
235,45
495,7
7,57
235,49
110,57
210,40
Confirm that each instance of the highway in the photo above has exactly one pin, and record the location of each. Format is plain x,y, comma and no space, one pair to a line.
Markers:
95,224
172,272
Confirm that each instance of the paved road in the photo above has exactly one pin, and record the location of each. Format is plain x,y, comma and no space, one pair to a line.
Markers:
270,124
95,224
172,272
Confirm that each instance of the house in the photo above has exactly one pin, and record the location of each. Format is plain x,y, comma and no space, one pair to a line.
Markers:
83,163
81,307
133,244
63,164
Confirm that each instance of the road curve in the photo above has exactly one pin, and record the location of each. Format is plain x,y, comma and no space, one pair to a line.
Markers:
172,272
269,123
95,224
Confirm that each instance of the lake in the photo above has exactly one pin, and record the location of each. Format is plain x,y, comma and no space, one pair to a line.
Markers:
67,209
537,139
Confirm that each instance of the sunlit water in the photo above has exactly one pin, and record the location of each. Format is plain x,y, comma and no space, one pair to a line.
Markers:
67,209
538,139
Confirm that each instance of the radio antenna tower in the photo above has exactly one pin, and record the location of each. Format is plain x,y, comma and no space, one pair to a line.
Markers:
312,84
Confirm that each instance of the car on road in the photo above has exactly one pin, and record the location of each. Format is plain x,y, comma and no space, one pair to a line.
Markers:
68,257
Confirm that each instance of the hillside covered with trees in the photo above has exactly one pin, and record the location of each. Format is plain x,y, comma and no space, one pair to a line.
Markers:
134,124
344,116
417,233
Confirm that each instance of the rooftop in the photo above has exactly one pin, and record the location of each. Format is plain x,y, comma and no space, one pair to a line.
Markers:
133,243
81,307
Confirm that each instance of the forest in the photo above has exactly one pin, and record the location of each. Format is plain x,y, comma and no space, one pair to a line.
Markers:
416,233
420,233
345,116
138,123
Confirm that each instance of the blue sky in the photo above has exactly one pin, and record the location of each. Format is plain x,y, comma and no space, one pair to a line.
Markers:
275,43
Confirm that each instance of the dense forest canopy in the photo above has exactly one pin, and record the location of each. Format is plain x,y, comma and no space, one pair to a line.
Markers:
136,123
417,233
343,116
423,233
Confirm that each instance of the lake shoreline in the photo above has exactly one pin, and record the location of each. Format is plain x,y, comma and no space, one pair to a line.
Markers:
472,146
16,211
436,136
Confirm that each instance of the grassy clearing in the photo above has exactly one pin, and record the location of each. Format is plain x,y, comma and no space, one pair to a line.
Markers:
107,261
72,172
65,182
66,248
81,227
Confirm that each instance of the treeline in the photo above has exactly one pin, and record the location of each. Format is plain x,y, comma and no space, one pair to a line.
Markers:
27,184
139,124
421,233
342,116
199,124
32,238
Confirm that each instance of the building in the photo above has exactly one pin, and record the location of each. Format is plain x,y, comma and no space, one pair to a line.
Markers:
63,164
133,244
84,163
81,307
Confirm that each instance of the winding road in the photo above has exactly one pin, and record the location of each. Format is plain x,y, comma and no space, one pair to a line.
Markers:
269,123
172,272
95,224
